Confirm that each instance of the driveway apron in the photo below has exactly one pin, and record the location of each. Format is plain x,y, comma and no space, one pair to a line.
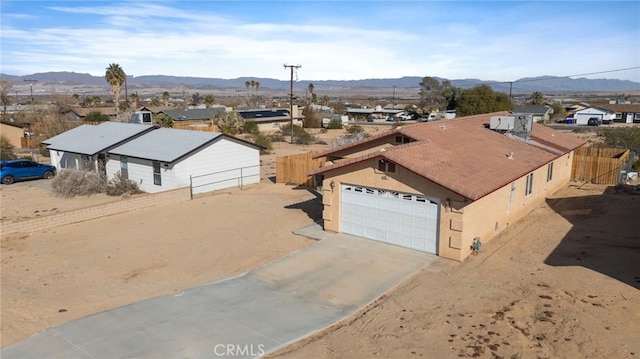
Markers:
245,316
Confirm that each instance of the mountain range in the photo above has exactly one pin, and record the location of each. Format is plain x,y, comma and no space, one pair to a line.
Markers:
545,84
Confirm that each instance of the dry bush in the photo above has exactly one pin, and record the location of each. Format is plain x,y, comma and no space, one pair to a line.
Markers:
71,183
121,185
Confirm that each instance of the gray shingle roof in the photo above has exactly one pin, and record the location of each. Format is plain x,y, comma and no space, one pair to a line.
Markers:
90,139
165,144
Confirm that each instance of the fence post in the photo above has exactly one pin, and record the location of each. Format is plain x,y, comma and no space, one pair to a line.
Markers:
190,187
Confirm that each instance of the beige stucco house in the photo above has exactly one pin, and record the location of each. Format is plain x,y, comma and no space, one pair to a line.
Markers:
436,186
13,132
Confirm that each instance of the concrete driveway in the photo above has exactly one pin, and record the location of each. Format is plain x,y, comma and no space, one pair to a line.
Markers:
246,316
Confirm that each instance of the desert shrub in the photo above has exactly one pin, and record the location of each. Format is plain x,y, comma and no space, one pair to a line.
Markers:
43,151
277,137
251,127
71,183
300,135
120,185
230,123
96,116
334,125
6,148
163,120
621,137
355,129
263,140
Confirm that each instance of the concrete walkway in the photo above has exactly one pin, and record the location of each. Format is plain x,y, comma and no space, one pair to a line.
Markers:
246,316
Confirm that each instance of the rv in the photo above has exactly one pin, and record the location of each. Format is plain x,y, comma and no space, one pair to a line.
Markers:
143,117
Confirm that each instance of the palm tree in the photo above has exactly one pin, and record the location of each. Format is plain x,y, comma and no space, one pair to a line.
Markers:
311,87
115,76
134,98
247,84
257,86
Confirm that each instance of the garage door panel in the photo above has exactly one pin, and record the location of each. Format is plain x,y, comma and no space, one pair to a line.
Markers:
397,218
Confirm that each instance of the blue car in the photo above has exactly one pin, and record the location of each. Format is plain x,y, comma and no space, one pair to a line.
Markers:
13,170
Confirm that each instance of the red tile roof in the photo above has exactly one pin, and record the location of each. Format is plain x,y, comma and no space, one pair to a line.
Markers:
466,157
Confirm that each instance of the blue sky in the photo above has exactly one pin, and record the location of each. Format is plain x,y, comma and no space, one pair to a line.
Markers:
331,40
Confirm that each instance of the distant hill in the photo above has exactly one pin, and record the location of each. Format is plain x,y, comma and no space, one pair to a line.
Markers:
544,84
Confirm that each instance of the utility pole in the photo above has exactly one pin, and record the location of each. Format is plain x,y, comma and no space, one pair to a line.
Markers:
31,82
510,88
291,67
394,97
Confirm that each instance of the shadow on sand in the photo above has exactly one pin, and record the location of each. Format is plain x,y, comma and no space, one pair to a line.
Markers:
312,207
605,236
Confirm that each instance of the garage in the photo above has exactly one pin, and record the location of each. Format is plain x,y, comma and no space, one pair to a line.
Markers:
403,219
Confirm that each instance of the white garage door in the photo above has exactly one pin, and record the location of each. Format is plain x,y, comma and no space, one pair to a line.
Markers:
403,219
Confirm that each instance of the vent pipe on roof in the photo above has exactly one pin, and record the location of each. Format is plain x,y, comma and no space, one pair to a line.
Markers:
510,155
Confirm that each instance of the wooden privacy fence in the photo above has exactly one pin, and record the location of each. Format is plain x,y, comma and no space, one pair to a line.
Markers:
294,168
598,165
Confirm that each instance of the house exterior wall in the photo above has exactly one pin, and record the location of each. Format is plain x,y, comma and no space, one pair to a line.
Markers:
219,166
14,134
488,216
274,126
68,160
366,174
214,167
461,220
583,116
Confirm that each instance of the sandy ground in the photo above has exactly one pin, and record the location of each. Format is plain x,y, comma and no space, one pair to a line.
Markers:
55,276
564,282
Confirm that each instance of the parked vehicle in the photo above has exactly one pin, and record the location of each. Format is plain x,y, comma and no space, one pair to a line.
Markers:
594,121
15,170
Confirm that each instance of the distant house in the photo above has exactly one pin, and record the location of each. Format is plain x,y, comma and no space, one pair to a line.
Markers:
167,158
271,119
437,186
158,159
362,114
540,113
624,113
194,118
86,146
581,117
80,113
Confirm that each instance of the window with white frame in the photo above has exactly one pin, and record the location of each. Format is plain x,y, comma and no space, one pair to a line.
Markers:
549,172
529,187
157,176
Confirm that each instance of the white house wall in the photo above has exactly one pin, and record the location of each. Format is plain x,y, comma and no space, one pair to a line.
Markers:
141,172
582,117
66,160
220,165
214,167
